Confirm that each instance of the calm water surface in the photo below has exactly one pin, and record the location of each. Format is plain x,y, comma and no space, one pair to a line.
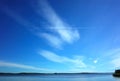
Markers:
80,77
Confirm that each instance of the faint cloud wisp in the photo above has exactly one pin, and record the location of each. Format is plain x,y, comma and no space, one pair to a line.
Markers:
63,30
10,64
76,62
53,40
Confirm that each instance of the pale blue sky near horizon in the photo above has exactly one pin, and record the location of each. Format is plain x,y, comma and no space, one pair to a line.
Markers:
59,35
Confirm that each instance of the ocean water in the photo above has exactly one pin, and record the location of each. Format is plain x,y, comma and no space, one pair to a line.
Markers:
77,77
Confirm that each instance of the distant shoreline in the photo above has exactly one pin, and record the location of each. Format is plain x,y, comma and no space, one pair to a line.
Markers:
24,74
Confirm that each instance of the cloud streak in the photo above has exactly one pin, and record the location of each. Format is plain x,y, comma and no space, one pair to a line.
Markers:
53,40
116,62
112,56
16,65
77,62
20,20
62,29
115,58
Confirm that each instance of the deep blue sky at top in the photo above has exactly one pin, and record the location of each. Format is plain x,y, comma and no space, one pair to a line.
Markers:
25,40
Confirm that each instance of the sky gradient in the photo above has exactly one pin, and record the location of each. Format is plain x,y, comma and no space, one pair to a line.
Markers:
59,35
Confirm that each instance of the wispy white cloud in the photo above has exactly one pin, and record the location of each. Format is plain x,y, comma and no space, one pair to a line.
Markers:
111,52
116,62
63,30
19,19
10,64
115,59
52,40
111,58
76,62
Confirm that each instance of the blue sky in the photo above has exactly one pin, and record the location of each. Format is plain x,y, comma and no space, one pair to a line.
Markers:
59,35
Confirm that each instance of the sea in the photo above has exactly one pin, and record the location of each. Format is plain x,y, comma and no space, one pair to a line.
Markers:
77,77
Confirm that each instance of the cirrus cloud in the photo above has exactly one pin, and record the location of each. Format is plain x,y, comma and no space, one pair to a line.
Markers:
63,31
76,62
22,66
